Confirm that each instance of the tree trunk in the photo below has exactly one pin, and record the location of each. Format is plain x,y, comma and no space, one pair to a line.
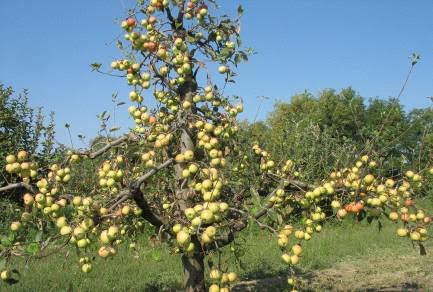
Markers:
193,269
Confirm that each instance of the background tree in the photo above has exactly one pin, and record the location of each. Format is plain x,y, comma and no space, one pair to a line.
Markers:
180,168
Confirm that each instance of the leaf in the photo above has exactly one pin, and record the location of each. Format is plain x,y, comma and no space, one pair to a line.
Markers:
120,103
119,45
32,248
240,10
5,241
67,125
279,219
114,129
95,66
39,235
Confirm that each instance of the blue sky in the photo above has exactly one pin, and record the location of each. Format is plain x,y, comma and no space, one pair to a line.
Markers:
47,46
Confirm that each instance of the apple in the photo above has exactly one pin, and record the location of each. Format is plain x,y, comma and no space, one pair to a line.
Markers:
368,179
11,159
297,249
188,155
232,277
282,240
214,288
177,227
5,275
207,216
196,221
125,210
215,274
28,199
211,231
76,201
104,251
183,238
206,239
86,268
61,222
112,232
402,232
82,243
65,230
286,258
22,155
393,216
190,213
15,226
415,236
294,259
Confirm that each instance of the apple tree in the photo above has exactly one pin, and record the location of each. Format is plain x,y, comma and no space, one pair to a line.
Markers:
181,168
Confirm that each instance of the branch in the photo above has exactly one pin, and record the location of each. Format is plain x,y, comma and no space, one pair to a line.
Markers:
144,177
107,147
238,226
147,213
296,183
17,186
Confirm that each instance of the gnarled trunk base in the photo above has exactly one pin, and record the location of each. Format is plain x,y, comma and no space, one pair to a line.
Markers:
193,268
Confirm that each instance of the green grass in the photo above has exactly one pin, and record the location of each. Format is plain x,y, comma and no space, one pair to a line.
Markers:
145,270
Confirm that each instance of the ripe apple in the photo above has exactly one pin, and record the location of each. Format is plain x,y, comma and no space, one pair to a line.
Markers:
65,230
82,243
286,258
207,216
104,251
402,232
214,288
415,236
28,199
22,155
183,238
112,232
15,226
125,210
5,275
232,277
11,159
177,227
393,216
297,249
294,259
222,69
215,274
61,221
86,268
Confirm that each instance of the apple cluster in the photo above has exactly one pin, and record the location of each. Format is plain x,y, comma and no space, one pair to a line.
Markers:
19,165
221,281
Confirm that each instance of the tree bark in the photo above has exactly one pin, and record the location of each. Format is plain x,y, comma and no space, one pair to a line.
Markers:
193,269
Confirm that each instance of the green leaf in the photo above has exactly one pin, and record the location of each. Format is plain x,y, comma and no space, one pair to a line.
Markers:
39,235
95,66
114,129
32,248
240,10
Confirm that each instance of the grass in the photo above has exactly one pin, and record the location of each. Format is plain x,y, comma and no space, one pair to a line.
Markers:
347,246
